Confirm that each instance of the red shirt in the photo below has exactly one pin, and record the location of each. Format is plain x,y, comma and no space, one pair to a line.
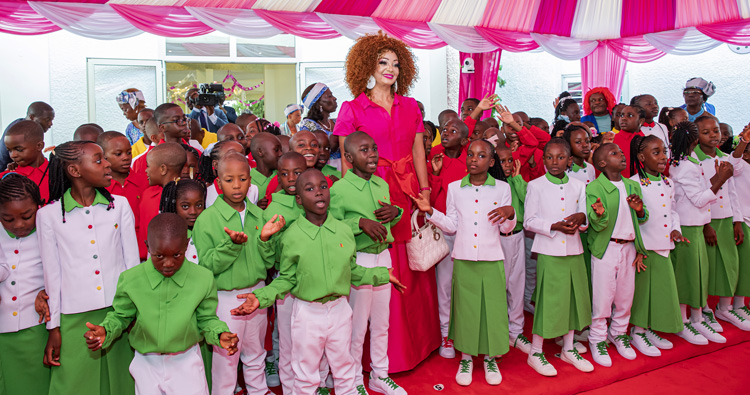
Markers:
149,208
39,175
131,189
453,169
530,149
623,140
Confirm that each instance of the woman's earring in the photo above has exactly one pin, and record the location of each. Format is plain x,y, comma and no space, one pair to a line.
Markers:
371,82
395,86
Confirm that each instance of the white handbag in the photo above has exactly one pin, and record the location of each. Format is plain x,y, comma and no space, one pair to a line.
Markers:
427,245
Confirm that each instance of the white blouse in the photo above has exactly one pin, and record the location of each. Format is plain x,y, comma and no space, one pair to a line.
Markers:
25,278
742,185
584,174
84,256
692,194
727,204
658,196
477,238
548,203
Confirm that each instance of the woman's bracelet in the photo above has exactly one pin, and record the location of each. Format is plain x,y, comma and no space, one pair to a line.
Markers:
425,189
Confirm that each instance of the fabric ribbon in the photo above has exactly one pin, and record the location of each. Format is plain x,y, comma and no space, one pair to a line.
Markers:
402,179
649,124
315,93
292,108
132,98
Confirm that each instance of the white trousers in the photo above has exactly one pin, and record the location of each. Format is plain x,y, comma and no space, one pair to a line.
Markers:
178,373
514,251
322,329
251,330
530,271
444,274
284,309
371,304
613,281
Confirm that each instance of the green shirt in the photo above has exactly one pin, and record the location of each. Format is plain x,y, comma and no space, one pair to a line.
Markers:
354,198
235,266
171,314
286,206
600,228
329,171
261,181
318,263
518,196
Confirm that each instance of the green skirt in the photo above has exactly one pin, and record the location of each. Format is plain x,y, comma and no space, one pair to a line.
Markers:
81,371
743,250
690,261
587,258
479,308
723,261
21,362
655,301
563,302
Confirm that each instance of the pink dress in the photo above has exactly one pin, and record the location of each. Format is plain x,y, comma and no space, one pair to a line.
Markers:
414,325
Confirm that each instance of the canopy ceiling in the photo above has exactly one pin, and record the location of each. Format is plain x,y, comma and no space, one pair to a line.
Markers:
635,30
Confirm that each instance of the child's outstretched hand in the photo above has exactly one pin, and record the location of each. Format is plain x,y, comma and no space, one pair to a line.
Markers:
739,235
386,213
709,234
95,336
638,262
501,214
598,207
248,307
396,284
228,341
635,202
437,164
516,168
677,237
488,102
41,306
374,229
237,237
271,227
505,115
52,349
423,203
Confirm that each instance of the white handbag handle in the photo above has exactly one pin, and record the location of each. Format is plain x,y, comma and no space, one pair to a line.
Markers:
414,225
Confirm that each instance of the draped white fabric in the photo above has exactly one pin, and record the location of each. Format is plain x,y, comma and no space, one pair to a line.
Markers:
287,5
597,20
462,38
565,48
351,26
686,41
458,12
98,21
235,22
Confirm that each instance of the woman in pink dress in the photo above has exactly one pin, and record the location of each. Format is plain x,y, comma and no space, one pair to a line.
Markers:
379,71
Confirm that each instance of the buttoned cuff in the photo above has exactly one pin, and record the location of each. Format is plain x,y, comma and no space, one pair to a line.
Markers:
264,299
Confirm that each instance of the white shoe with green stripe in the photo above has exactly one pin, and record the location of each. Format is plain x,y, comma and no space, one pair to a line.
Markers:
539,363
465,369
574,358
491,371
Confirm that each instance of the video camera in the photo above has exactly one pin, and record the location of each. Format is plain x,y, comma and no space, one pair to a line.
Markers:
209,95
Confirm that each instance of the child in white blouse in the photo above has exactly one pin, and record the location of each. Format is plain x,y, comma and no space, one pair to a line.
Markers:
478,211
87,238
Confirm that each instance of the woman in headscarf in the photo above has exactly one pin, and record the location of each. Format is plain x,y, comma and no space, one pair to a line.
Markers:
131,102
696,92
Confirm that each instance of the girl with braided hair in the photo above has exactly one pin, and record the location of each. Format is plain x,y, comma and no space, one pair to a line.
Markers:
21,280
87,238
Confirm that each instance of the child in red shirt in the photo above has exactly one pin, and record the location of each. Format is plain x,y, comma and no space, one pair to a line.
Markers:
25,141
630,126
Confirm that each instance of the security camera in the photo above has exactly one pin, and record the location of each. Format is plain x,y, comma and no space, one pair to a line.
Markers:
739,49
467,66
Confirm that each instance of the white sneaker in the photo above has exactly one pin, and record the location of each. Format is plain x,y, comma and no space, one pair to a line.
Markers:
521,343
733,318
272,374
600,354
658,341
539,363
709,317
643,344
578,346
574,358
691,335
361,390
491,372
622,344
465,368
386,386
446,349
709,333
583,336
744,312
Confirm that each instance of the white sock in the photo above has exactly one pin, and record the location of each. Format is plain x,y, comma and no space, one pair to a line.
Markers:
536,344
638,329
568,341
683,311
739,302
706,308
696,315
466,356
725,303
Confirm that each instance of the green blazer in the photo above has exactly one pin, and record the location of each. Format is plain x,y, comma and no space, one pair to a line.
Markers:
600,228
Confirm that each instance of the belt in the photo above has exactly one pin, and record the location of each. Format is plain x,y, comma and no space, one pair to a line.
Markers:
326,299
621,241
511,233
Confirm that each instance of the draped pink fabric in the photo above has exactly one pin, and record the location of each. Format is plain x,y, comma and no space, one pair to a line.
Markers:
235,22
737,32
484,79
20,18
702,12
415,34
661,16
508,41
634,49
237,4
162,20
603,68
302,24
351,26
555,17
512,15
348,7
406,10
90,20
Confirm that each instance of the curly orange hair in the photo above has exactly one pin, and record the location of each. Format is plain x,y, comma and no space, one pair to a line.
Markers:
363,58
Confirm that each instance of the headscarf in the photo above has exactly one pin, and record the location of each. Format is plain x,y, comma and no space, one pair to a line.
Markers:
292,108
608,97
132,98
315,93
707,87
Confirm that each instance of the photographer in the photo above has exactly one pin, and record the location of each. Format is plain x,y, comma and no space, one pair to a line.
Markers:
210,118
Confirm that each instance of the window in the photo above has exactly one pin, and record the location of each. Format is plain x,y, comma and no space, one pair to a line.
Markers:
280,46
331,74
214,44
572,84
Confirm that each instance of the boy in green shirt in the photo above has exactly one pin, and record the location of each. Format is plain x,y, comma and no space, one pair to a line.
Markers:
239,266
325,153
363,200
266,150
615,210
174,307
318,266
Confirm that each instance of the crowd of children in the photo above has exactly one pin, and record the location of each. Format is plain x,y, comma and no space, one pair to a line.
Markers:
629,217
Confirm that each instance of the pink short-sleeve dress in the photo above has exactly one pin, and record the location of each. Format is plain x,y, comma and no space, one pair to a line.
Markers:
414,330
